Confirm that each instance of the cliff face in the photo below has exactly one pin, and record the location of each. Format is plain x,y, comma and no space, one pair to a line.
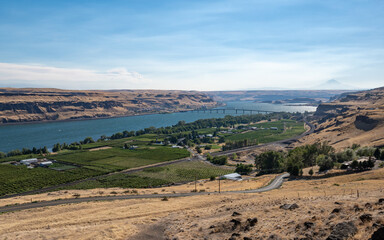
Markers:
355,118
28,105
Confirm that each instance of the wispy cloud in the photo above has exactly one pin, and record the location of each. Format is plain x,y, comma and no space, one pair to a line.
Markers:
37,75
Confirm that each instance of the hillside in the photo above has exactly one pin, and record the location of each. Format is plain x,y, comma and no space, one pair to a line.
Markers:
355,118
331,208
34,104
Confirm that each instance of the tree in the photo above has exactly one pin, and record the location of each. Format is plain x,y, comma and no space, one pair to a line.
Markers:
294,162
209,157
310,172
198,149
270,162
220,160
243,169
88,140
2,155
56,147
354,164
324,162
377,153
45,150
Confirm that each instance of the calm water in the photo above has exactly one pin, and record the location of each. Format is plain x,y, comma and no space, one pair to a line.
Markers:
47,134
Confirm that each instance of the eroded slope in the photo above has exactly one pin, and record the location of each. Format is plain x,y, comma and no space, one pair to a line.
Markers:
27,105
356,118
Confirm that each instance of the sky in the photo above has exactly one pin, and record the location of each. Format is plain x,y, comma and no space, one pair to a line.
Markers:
191,45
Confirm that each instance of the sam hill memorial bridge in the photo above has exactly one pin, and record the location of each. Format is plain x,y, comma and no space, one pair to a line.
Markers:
231,110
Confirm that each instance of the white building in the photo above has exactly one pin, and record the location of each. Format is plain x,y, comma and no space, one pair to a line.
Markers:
28,161
233,176
46,163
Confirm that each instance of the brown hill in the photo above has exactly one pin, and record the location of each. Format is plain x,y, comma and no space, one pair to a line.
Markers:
32,104
356,118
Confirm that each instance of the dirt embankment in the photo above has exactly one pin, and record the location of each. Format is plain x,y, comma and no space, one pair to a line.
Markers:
356,118
31,105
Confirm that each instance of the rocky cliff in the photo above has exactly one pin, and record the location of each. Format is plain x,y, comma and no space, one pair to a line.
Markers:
30,105
355,118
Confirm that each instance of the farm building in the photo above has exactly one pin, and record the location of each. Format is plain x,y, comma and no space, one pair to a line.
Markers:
45,164
28,161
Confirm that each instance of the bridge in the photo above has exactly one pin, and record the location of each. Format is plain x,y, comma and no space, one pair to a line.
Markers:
231,110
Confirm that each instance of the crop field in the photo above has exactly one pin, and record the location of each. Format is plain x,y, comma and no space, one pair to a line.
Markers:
16,179
115,159
157,176
292,129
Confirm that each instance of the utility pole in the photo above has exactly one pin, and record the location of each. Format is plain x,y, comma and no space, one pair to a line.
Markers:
195,183
219,184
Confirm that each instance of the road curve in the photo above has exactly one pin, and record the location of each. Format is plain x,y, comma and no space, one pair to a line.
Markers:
276,183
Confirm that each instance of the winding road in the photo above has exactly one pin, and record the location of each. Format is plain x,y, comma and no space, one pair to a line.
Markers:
276,183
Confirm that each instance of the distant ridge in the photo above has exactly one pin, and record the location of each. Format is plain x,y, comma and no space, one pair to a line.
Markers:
334,85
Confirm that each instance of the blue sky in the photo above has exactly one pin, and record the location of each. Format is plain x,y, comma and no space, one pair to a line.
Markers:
193,45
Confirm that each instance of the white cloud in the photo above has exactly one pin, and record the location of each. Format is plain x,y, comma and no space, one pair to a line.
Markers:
68,78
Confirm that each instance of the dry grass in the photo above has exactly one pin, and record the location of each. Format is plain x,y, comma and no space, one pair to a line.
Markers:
192,217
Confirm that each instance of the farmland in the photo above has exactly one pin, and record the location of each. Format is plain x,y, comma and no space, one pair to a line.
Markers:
285,129
121,151
157,176
83,164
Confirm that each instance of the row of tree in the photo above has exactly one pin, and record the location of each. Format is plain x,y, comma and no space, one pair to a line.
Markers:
24,151
320,154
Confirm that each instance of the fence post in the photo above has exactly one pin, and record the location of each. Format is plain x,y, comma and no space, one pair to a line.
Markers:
219,184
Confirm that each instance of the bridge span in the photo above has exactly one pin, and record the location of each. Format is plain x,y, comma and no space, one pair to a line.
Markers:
232,110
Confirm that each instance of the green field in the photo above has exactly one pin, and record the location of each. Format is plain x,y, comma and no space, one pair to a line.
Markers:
16,179
115,159
293,128
157,176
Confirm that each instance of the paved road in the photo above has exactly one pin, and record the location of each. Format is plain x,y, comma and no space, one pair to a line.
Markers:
276,183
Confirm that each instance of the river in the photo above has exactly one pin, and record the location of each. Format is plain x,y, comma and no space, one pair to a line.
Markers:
46,134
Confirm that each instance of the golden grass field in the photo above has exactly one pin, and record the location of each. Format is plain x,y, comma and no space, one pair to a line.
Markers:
208,216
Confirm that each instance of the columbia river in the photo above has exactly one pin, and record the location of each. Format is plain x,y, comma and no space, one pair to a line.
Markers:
48,133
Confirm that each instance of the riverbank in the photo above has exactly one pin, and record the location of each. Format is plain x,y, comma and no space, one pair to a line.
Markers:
48,133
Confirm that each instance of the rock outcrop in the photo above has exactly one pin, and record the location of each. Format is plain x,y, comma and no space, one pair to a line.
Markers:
31,105
354,118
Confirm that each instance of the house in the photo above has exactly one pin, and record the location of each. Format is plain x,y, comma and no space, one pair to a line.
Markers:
209,135
233,176
253,128
133,147
28,161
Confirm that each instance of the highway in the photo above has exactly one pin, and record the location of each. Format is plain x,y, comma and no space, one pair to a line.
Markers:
276,183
